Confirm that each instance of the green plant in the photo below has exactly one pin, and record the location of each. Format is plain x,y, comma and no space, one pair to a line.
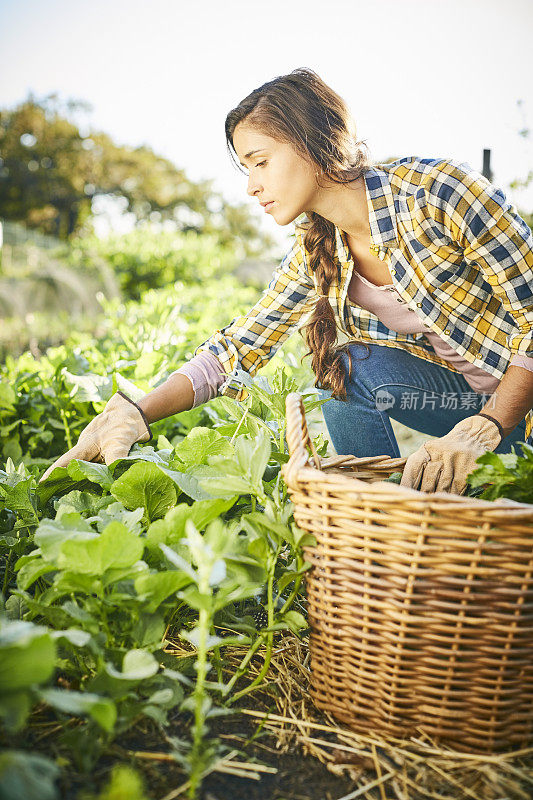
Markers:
146,258
503,475
175,536
110,563
394,478
222,571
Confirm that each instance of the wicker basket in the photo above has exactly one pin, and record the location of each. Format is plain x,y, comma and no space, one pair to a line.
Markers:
420,604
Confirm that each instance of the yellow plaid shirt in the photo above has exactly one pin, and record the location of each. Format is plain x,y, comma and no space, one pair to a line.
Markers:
459,255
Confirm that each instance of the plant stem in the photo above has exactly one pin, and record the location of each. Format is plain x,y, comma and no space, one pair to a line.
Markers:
66,427
241,669
218,660
260,639
292,595
6,574
199,690
239,425
271,565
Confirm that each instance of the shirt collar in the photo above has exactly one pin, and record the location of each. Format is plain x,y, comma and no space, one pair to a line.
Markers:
381,213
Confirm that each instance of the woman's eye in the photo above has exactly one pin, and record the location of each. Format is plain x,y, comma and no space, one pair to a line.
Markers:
260,164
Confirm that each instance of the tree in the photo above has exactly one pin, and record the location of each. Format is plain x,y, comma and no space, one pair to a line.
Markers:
50,173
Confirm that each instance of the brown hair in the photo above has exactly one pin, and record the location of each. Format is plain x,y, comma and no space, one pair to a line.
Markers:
302,110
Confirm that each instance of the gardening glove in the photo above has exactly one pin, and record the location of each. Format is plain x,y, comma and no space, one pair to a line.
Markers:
442,465
109,435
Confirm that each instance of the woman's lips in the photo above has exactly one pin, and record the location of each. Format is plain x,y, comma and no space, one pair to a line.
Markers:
269,205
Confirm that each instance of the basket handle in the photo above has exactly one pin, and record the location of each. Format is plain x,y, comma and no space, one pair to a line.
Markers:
298,439
297,433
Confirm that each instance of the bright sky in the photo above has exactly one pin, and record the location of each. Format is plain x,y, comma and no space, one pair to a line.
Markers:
433,78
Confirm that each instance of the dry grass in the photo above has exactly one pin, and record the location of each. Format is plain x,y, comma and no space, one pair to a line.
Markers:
381,768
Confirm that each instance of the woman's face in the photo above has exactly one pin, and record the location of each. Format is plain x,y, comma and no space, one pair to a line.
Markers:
277,173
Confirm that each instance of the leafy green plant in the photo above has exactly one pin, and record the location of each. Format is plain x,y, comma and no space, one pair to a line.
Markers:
27,775
180,535
149,259
46,403
124,783
222,571
178,540
28,660
396,477
503,475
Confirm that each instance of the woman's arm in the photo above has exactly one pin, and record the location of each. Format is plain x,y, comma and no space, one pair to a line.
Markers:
247,343
204,374
244,345
174,395
478,217
512,399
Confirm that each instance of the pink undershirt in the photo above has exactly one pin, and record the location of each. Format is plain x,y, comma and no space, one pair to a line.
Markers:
206,373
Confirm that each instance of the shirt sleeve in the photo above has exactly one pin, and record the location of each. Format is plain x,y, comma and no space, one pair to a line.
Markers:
250,341
522,361
206,375
479,217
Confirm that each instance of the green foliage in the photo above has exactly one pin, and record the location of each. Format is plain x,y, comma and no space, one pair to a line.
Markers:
396,477
124,784
180,538
101,560
145,485
28,658
46,403
148,258
503,475
27,775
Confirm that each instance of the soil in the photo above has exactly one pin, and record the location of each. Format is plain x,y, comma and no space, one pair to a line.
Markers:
298,776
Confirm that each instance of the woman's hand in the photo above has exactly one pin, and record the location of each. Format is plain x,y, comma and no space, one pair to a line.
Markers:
109,435
442,465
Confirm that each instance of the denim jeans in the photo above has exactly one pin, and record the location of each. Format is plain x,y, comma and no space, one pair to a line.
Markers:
393,383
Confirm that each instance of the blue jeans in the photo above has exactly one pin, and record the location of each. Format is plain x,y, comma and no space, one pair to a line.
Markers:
393,383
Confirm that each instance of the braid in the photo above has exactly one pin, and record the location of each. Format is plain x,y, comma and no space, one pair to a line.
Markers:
321,330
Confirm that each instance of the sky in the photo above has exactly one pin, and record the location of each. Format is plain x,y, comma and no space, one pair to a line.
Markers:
431,78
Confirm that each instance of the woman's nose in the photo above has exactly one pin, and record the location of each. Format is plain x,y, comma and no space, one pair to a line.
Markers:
252,186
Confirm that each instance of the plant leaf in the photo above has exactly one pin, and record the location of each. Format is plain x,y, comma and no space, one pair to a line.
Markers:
145,485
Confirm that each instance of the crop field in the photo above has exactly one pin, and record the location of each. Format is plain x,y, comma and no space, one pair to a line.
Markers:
153,612
124,587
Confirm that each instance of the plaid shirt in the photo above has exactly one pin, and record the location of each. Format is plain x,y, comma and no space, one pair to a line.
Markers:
459,255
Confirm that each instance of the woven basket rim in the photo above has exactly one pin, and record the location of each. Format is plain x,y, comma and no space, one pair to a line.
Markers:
381,487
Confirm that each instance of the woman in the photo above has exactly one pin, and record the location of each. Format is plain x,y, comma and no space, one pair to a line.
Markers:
415,279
